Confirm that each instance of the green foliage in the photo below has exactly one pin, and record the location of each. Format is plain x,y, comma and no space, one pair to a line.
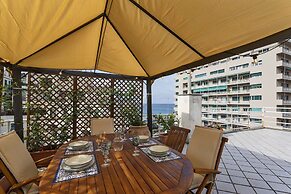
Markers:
133,116
167,121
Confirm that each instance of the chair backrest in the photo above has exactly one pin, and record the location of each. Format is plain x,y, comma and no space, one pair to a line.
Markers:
15,160
177,137
205,147
100,125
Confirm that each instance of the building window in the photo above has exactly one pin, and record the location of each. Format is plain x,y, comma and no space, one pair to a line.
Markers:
200,75
257,74
185,92
177,93
254,86
256,109
246,98
177,86
235,98
185,78
256,97
217,71
177,80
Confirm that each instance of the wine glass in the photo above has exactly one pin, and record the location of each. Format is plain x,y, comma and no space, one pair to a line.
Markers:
135,142
98,143
123,133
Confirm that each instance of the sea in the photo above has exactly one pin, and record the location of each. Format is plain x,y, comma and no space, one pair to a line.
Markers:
160,109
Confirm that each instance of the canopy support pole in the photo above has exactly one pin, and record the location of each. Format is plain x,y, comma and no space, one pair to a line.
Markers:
149,105
17,101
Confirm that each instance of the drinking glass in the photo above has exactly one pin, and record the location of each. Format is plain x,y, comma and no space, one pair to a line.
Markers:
135,142
123,133
105,153
98,143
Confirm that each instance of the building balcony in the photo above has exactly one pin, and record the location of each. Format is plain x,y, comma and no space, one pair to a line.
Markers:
281,76
284,89
283,64
239,92
240,81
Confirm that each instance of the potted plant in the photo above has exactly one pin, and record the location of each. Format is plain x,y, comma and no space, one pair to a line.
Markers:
136,125
166,122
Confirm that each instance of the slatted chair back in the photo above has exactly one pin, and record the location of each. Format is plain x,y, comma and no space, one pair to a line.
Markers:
177,137
16,162
204,147
100,125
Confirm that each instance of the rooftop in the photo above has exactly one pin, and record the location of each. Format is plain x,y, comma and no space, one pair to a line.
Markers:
257,161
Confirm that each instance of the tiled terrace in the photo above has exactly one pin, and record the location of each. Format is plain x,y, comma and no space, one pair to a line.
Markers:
256,161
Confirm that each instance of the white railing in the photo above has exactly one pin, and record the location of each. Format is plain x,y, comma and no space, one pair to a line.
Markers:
250,118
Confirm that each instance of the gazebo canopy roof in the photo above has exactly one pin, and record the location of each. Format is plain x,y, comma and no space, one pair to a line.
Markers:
147,38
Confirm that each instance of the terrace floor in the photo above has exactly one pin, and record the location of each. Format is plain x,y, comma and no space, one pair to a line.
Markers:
257,161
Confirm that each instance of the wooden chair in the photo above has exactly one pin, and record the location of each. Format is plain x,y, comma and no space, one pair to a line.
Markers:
18,166
100,125
177,137
204,151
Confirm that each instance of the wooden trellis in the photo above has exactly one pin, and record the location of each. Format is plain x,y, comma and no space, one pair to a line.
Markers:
60,106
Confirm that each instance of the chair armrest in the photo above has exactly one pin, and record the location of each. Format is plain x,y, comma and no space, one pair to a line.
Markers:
44,159
205,171
23,183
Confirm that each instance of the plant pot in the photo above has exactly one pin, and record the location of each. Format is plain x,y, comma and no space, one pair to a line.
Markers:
163,138
139,130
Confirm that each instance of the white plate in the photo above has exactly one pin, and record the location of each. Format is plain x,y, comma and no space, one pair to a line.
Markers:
159,149
78,161
159,155
70,169
78,144
144,138
80,148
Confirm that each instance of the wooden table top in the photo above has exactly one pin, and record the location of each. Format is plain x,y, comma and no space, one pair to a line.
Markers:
126,174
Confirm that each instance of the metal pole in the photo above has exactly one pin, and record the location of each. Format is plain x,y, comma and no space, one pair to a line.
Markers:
17,101
75,104
149,105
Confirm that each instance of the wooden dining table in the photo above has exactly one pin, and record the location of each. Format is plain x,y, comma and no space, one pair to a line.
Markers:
126,174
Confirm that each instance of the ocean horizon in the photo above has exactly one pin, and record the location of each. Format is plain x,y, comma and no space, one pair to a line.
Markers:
160,108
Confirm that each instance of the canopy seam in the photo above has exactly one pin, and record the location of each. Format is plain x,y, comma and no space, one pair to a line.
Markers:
166,27
62,37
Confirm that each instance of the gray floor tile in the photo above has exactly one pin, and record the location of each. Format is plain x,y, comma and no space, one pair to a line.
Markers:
235,173
271,178
280,187
232,166
264,191
222,186
281,173
244,189
259,184
253,175
224,178
264,171
286,180
243,163
240,180
247,169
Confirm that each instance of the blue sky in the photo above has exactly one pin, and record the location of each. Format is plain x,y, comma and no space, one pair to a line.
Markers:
163,90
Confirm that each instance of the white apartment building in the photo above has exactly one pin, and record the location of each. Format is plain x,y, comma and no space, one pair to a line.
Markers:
239,93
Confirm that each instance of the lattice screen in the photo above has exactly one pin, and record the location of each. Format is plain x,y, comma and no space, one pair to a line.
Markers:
53,100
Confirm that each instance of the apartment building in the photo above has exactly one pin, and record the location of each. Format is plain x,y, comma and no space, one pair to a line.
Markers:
240,92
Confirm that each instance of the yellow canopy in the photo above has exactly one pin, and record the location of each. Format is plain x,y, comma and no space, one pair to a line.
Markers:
136,37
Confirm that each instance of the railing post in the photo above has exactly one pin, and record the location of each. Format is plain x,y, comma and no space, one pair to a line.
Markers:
17,101
75,104
149,105
112,98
